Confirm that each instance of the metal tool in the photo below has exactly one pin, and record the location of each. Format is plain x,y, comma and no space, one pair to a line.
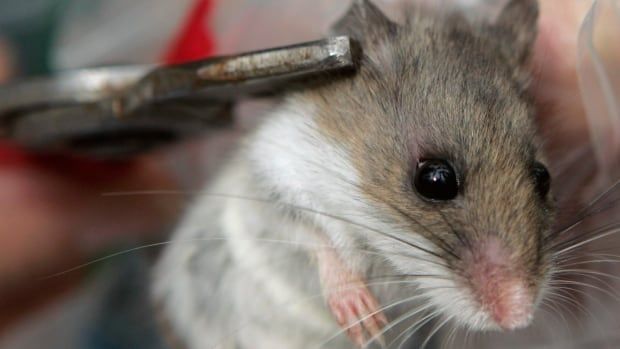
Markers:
120,111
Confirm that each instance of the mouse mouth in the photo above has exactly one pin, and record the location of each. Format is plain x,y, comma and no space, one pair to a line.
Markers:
507,301
499,286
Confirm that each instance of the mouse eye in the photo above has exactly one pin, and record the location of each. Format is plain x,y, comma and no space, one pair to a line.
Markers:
542,179
436,180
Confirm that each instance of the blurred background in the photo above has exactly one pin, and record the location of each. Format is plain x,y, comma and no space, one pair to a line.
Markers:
55,216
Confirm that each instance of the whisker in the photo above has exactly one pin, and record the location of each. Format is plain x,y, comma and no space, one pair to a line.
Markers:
396,322
285,305
608,231
443,245
593,261
462,238
567,229
391,305
411,330
580,214
599,326
557,312
405,317
174,192
466,338
602,195
434,331
568,260
577,283
588,273
564,299
597,254
212,239
578,305
297,207
102,259
449,342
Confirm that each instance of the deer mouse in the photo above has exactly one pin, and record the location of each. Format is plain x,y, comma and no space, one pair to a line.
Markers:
413,192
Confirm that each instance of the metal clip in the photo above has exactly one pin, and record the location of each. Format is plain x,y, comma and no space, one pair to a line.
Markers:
121,111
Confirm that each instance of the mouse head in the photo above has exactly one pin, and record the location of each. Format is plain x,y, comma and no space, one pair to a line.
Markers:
440,129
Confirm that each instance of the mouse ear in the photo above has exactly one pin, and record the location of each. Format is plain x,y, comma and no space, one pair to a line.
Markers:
364,22
517,29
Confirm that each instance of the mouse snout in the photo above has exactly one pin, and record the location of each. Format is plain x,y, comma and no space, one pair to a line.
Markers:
499,285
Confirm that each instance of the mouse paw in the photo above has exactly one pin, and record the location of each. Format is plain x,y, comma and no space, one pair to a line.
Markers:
357,312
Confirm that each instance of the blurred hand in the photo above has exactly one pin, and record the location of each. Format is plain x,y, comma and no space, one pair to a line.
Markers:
554,64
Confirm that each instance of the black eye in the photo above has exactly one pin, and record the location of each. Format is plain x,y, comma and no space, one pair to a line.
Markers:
542,179
436,180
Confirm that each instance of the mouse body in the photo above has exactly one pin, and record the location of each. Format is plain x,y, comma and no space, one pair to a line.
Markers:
375,209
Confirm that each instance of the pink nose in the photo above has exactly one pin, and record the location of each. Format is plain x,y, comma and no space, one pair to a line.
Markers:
499,286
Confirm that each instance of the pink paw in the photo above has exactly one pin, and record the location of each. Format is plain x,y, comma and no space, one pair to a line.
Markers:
357,312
